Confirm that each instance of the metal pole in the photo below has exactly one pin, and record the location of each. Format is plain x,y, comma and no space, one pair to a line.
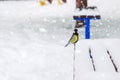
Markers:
74,63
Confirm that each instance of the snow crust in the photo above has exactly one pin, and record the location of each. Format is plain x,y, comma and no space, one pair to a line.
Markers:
32,40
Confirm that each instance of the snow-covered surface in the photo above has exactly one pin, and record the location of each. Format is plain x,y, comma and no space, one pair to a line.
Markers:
32,40
87,12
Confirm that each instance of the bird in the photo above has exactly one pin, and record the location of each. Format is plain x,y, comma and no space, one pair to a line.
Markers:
74,39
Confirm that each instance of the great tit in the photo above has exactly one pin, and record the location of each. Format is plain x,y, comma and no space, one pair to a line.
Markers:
74,38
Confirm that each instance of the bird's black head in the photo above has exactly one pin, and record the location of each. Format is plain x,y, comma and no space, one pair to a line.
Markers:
75,30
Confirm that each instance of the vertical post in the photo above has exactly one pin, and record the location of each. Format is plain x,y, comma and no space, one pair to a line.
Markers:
81,4
78,4
87,28
84,3
74,62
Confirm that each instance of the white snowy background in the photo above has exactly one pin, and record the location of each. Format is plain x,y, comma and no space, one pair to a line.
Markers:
32,40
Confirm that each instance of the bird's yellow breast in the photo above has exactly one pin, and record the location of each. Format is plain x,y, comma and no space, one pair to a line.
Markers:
74,39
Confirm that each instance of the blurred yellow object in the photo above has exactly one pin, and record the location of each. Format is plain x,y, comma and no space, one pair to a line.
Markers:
59,2
42,2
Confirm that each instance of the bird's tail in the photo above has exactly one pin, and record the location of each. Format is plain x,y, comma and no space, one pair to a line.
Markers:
67,44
